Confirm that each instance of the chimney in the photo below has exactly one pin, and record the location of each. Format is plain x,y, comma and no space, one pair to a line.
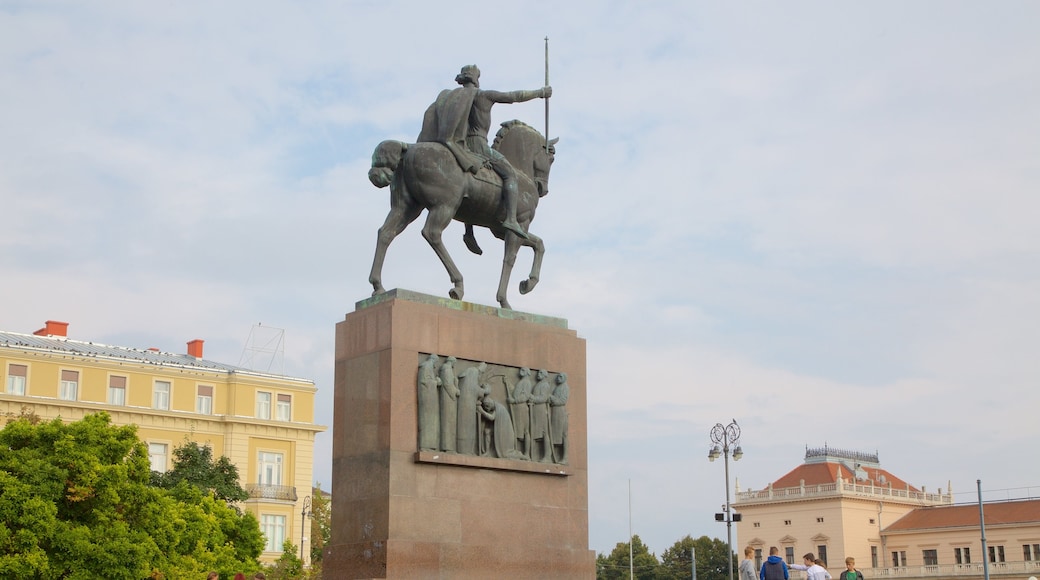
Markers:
53,328
195,347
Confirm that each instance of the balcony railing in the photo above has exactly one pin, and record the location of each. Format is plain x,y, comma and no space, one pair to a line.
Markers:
844,488
996,570
262,491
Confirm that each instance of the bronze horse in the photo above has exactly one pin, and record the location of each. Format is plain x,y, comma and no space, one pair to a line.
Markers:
427,176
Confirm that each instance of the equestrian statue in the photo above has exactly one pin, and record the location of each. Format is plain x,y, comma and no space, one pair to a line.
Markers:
453,173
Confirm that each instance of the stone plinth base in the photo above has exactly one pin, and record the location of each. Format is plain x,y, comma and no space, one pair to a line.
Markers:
401,513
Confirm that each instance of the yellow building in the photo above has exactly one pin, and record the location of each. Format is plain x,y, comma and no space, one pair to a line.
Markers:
842,503
835,505
946,541
263,423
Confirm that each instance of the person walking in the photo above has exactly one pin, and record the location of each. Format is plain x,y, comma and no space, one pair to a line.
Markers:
850,573
774,568
747,565
813,570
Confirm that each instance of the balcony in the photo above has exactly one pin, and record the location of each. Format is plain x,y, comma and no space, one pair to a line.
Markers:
275,492
956,571
842,488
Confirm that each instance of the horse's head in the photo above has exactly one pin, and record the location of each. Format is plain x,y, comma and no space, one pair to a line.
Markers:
527,151
542,165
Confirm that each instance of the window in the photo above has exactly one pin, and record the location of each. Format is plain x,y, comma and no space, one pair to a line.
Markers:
789,553
263,405
204,400
758,524
270,471
117,390
758,558
16,379
962,555
873,557
872,521
273,528
161,395
931,557
69,386
996,553
821,553
1031,552
898,559
157,456
284,408
787,522
819,521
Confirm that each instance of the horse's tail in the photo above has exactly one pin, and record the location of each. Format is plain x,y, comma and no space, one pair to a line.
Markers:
385,160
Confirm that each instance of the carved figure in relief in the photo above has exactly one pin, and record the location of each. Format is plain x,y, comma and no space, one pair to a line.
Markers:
471,391
499,439
559,420
540,441
429,409
519,405
449,404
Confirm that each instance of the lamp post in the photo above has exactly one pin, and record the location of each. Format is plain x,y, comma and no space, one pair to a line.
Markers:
306,511
726,435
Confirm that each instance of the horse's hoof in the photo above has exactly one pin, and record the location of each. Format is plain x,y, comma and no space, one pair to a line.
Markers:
528,285
505,304
379,290
455,293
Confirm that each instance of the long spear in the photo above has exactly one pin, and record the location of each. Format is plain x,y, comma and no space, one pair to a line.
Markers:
547,98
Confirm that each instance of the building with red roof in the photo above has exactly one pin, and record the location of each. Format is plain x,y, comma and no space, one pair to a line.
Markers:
841,503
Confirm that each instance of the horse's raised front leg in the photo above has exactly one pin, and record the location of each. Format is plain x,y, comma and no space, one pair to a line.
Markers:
512,246
438,218
397,220
535,243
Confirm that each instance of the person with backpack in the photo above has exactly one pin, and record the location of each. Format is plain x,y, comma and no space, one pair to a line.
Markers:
774,568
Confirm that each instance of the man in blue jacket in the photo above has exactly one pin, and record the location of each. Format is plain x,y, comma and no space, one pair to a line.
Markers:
774,567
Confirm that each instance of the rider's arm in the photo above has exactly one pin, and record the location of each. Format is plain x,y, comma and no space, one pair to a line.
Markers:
517,96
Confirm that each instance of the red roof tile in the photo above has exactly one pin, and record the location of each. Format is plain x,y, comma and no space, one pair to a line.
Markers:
1011,512
823,473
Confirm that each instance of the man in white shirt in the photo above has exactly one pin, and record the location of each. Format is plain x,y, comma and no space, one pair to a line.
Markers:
813,571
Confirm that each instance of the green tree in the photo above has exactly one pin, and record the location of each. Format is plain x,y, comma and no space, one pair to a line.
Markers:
321,523
615,565
75,503
711,554
27,414
288,566
194,464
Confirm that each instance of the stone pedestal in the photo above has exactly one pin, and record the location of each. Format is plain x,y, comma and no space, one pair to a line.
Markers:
401,513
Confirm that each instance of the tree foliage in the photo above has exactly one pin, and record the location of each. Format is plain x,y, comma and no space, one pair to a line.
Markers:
711,554
194,464
75,503
321,523
289,566
615,566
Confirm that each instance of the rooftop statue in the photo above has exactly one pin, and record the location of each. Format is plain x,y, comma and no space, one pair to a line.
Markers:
453,173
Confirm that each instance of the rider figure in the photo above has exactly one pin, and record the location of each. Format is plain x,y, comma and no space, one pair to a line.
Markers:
479,124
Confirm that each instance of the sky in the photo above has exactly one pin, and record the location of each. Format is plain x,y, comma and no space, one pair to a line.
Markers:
816,218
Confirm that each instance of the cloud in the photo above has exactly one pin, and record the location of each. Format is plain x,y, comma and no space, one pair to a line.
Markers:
802,217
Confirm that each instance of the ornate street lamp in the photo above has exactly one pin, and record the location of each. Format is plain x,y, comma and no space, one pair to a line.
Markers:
306,511
726,436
